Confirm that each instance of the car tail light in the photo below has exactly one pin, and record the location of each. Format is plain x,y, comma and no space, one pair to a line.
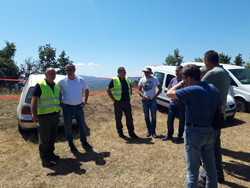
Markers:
26,110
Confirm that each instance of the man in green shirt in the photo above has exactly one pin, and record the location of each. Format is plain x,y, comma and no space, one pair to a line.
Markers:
220,78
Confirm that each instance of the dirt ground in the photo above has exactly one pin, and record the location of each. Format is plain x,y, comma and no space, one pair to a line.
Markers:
114,162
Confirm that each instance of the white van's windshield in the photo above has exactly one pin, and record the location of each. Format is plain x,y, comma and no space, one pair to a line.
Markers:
243,75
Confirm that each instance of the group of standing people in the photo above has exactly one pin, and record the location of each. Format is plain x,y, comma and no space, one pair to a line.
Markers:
201,98
48,97
194,99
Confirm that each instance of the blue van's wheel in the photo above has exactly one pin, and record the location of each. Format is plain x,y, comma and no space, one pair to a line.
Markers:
240,104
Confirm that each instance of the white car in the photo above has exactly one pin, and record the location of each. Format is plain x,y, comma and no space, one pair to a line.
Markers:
23,109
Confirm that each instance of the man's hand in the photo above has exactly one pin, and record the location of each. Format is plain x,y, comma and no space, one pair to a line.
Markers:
82,104
34,118
146,97
62,105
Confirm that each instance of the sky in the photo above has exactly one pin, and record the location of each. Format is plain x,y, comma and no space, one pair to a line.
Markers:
101,35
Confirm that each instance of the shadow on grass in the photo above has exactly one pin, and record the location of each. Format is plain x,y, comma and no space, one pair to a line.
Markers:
91,155
32,136
231,122
237,170
66,166
69,165
138,140
230,184
239,155
162,109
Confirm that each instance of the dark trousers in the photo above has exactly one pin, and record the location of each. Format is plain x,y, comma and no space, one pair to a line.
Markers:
123,106
217,156
47,133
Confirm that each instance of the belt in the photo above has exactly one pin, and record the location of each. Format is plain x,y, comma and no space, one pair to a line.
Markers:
194,125
75,106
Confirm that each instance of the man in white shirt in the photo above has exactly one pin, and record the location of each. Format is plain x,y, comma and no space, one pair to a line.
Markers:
147,86
72,88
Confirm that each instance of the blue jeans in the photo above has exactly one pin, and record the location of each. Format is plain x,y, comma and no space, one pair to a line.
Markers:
68,113
199,144
172,111
152,105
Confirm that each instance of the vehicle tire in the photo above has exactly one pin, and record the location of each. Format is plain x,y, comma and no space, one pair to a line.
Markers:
240,104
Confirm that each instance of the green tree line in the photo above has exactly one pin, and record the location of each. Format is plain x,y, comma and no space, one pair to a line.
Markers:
47,58
177,59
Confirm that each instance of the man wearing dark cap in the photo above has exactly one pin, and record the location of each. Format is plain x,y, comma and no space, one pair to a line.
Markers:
147,86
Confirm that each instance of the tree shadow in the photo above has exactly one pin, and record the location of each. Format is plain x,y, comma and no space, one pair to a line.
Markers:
91,155
237,170
66,166
239,155
32,135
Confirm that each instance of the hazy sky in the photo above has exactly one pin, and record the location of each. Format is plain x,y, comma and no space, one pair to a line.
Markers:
102,35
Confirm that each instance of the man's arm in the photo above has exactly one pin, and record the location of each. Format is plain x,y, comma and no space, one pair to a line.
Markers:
34,108
171,92
110,94
158,93
86,96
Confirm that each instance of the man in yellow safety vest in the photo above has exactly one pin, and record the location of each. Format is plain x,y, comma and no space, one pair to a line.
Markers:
119,90
45,107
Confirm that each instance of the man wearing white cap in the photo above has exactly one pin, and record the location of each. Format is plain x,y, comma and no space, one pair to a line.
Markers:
147,86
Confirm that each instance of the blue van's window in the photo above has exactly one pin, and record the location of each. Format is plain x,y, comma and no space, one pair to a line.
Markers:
169,78
243,75
160,77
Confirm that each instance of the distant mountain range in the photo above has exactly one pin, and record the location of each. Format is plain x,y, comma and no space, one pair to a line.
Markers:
94,83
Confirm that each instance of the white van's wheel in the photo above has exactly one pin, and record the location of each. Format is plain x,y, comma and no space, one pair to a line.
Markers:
240,104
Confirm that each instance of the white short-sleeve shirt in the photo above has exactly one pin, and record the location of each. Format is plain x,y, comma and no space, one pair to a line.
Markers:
72,90
148,86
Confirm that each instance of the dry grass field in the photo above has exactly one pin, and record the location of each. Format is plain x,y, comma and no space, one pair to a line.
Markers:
114,162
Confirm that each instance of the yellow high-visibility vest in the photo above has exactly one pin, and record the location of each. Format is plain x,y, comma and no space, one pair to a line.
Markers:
117,89
48,102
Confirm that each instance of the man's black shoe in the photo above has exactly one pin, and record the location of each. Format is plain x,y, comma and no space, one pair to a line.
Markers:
179,140
148,134
73,148
221,180
133,135
121,135
201,183
87,145
54,157
47,163
167,138
154,135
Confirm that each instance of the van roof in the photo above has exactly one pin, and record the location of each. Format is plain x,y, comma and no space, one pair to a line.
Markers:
166,67
33,78
226,66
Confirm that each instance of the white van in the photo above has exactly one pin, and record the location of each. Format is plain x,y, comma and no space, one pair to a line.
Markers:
24,107
240,84
165,75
